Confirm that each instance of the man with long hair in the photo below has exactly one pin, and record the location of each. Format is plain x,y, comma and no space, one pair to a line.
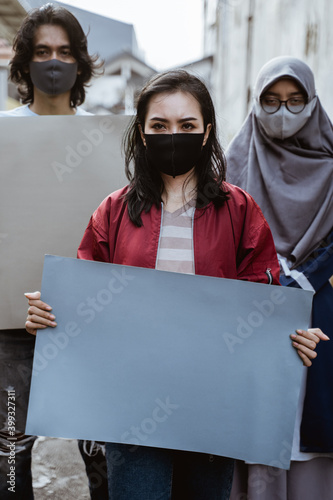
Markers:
51,67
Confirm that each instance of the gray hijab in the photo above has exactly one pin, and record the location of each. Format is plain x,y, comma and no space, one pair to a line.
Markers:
290,179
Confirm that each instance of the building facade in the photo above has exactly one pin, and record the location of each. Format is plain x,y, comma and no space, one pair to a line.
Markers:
243,35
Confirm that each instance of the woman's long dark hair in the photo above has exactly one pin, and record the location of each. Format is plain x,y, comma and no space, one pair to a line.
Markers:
146,184
24,46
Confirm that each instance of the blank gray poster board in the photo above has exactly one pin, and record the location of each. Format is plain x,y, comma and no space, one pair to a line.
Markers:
168,360
55,171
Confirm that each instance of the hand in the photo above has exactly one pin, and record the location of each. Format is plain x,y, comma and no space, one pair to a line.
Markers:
305,341
39,314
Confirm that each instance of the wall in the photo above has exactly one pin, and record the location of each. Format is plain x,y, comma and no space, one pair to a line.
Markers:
244,34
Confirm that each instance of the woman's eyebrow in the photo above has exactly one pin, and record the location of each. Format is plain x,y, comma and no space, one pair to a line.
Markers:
277,93
157,119
189,118
181,120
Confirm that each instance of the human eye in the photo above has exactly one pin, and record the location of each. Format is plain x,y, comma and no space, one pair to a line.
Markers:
158,126
66,53
270,101
188,126
270,104
296,101
41,52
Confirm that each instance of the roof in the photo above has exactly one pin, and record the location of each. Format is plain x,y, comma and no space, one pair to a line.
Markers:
106,37
113,65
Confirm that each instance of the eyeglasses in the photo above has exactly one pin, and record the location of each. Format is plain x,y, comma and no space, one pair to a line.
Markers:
272,104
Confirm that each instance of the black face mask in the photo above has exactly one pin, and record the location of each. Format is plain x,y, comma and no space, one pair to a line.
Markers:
53,77
174,154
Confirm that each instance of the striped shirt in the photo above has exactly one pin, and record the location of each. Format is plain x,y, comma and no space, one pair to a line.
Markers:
175,251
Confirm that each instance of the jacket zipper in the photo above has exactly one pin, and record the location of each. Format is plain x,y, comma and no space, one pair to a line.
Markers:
159,237
269,276
193,239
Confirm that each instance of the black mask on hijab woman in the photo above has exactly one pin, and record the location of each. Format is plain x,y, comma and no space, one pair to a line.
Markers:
285,161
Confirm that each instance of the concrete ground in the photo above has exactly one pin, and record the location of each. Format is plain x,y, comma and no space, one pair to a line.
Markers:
58,470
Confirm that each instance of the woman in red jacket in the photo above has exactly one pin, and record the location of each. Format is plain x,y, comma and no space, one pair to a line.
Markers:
177,214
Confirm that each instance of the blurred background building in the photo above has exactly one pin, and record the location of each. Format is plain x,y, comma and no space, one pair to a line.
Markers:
11,15
243,35
239,37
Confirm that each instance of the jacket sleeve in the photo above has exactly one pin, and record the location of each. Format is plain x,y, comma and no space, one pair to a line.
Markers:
256,254
95,242
318,268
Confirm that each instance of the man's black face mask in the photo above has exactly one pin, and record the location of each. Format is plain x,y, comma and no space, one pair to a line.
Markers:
53,77
174,154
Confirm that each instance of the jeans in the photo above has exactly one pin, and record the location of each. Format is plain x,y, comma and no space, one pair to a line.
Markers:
143,473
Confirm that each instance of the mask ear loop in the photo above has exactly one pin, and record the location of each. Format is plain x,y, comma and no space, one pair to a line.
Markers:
150,167
144,143
142,134
204,142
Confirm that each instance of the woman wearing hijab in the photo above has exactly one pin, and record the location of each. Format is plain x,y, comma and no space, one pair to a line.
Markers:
283,157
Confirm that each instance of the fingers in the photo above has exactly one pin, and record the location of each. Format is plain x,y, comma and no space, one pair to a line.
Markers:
32,295
317,333
309,338
29,326
40,317
305,341
306,360
39,322
306,354
305,338
34,300
39,314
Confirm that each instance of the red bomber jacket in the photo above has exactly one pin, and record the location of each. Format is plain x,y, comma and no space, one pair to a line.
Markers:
233,241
